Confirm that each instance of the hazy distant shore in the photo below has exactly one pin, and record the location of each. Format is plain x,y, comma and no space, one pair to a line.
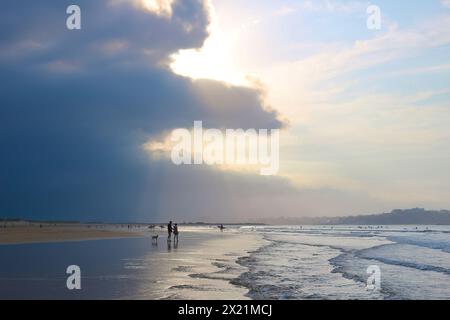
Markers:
415,216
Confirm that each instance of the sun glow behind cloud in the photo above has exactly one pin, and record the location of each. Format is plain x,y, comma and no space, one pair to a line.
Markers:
159,7
215,60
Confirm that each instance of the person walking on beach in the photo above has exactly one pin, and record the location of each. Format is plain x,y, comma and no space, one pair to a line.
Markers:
175,232
169,230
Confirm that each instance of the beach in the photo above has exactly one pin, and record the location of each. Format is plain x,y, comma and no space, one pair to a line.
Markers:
125,264
261,262
25,232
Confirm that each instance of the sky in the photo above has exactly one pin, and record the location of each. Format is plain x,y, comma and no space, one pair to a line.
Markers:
364,114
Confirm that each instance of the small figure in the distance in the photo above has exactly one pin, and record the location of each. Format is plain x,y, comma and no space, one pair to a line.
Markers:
169,231
175,233
155,240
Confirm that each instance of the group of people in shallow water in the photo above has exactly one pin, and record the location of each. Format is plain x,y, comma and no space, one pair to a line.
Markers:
172,228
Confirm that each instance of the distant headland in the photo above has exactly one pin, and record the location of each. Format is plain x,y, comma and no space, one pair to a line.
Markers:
416,216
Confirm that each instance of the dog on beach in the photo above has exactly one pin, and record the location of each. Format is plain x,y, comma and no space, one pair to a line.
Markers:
155,239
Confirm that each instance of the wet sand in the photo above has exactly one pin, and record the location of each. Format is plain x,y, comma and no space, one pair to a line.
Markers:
202,265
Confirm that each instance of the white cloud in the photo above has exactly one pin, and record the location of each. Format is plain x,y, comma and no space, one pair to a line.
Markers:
285,11
333,6
446,3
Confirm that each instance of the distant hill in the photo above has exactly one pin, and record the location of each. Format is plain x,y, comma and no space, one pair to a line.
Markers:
416,216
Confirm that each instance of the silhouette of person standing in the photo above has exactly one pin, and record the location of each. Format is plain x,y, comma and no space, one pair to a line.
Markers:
169,230
175,232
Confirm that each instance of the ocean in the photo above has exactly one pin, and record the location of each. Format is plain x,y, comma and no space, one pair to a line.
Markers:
331,262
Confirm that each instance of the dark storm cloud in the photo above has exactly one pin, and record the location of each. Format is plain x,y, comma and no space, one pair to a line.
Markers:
37,31
76,106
